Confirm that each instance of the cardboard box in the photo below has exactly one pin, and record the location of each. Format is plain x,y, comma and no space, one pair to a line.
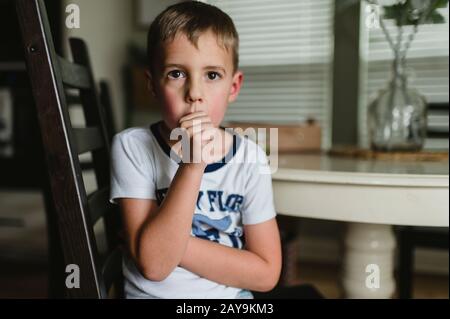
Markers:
291,138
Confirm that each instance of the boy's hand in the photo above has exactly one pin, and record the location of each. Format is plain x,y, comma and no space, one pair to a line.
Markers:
201,133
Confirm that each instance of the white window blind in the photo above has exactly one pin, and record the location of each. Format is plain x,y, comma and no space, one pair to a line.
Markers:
285,53
427,63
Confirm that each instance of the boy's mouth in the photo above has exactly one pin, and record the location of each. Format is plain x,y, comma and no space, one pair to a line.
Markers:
195,107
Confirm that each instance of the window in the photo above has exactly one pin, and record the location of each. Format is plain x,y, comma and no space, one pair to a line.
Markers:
286,50
427,61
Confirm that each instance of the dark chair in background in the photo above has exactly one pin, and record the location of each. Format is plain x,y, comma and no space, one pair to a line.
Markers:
75,212
105,103
410,238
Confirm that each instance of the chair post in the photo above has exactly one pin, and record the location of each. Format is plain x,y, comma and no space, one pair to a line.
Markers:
55,254
69,199
405,265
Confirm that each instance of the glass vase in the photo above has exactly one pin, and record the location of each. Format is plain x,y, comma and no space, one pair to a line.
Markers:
397,117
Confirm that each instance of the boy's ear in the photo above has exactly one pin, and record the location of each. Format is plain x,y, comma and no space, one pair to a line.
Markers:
150,83
236,85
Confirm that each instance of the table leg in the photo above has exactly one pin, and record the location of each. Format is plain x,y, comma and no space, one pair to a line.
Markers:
368,266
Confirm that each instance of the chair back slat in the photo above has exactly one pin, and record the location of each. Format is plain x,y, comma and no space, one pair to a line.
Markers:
94,112
74,75
72,99
75,211
88,139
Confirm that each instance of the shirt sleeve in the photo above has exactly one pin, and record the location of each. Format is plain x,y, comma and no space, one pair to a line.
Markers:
258,205
131,171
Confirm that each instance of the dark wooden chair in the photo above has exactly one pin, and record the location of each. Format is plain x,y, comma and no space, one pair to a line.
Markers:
75,211
409,239
105,103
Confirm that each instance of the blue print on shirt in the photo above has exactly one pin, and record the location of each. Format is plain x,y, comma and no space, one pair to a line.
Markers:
219,224
216,225
211,233
211,229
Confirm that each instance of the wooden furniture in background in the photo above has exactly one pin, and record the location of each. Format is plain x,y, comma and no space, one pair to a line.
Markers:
142,99
291,138
423,156
371,196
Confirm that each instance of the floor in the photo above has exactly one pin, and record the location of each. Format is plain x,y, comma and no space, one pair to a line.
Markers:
30,281
23,270
324,278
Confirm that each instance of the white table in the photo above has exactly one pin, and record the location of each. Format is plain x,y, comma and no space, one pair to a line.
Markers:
371,196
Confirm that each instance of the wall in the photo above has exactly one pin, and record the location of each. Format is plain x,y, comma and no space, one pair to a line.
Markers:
106,26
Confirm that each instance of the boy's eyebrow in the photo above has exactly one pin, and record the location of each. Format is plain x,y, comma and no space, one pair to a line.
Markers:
216,67
170,65
209,67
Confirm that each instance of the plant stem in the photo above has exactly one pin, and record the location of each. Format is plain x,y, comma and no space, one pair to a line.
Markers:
421,20
409,41
383,26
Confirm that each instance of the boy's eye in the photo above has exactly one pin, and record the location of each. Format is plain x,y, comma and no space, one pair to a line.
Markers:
175,74
213,75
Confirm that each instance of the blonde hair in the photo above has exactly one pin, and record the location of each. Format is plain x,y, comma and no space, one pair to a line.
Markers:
192,18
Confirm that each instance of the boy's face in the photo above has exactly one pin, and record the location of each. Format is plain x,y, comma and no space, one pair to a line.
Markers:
187,79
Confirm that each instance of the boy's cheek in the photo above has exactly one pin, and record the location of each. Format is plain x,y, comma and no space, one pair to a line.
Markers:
216,111
172,110
173,116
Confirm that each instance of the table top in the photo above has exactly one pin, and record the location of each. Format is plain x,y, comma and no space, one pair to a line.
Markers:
361,190
337,169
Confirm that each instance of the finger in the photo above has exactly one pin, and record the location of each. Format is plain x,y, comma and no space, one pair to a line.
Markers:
196,121
197,127
211,132
200,141
207,134
209,146
197,136
192,115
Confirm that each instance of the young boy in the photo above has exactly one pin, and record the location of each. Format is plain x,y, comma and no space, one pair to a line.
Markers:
185,221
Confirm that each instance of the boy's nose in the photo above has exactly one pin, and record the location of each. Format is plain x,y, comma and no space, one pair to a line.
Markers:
194,92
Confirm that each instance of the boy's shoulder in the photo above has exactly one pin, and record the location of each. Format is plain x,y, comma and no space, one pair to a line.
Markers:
134,136
253,152
133,133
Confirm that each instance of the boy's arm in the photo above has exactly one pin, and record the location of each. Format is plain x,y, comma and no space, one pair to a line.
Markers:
256,268
157,236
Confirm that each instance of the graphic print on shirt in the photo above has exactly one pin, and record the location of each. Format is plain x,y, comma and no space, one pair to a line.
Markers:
217,217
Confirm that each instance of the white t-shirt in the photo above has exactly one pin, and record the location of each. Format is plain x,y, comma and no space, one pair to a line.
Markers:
234,191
